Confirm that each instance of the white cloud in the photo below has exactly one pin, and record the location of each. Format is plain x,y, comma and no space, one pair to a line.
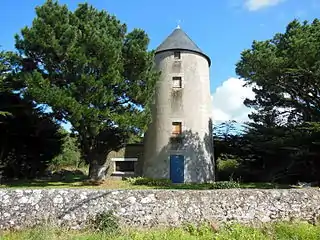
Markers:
228,101
254,5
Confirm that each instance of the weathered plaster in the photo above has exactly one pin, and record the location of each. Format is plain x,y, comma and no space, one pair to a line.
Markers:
192,106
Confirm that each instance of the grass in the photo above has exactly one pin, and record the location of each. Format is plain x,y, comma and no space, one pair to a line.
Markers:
281,231
41,184
122,184
74,178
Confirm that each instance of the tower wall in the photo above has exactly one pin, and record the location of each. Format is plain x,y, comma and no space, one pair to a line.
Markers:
191,105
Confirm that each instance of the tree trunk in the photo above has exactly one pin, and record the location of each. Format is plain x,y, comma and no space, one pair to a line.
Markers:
97,167
97,172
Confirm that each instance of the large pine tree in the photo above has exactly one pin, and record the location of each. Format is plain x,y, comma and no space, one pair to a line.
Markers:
285,74
284,71
92,73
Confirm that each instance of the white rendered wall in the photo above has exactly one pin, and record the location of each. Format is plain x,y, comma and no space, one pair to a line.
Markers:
193,107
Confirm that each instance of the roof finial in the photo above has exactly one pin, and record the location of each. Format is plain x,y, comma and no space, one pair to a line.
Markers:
178,25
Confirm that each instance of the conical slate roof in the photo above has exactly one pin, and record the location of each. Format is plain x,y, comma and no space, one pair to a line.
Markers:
179,40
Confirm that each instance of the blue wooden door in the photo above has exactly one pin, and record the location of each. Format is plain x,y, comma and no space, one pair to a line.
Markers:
177,168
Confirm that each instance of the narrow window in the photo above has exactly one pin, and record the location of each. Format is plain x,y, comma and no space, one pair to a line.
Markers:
125,166
177,82
177,55
176,128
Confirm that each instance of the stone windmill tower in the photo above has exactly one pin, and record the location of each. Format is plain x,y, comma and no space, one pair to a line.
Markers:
178,143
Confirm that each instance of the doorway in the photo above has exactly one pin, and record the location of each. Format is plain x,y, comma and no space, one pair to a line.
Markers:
177,168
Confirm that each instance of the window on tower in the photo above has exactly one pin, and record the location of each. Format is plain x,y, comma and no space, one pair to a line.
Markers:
177,55
176,129
177,82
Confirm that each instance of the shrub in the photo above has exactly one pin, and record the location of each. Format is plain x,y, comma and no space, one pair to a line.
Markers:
228,164
149,181
225,185
70,155
227,168
201,230
106,222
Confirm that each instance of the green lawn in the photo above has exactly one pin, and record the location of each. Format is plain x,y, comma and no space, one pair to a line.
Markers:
77,179
40,184
281,231
122,184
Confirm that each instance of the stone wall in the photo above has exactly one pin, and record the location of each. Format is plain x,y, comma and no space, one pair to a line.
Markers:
147,208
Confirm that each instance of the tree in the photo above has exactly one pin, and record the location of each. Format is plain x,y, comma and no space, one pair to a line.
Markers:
285,74
29,138
8,61
70,155
227,144
226,139
92,73
281,143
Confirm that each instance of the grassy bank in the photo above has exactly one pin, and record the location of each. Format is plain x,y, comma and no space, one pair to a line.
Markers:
283,231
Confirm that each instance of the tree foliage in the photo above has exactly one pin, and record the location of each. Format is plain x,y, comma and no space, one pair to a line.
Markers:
285,73
8,62
282,141
92,73
70,155
29,138
96,75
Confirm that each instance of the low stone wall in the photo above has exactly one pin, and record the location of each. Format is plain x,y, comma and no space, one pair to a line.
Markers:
147,208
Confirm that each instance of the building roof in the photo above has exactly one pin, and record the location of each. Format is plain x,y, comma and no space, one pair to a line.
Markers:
179,40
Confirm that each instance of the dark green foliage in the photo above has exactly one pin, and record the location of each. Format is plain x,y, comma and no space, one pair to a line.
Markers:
106,222
92,73
271,154
9,65
225,185
199,231
149,181
8,62
70,155
281,144
227,168
284,72
166,183
281,153
29,139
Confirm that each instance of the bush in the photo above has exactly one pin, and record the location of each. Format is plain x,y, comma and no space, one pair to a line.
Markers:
70,155
106,222
200,230
227,168
225,185
228,165
149,181
168,183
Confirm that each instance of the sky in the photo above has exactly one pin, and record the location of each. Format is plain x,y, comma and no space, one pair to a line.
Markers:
221,28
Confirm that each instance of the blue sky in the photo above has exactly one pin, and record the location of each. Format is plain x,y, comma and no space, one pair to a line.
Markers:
221,28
